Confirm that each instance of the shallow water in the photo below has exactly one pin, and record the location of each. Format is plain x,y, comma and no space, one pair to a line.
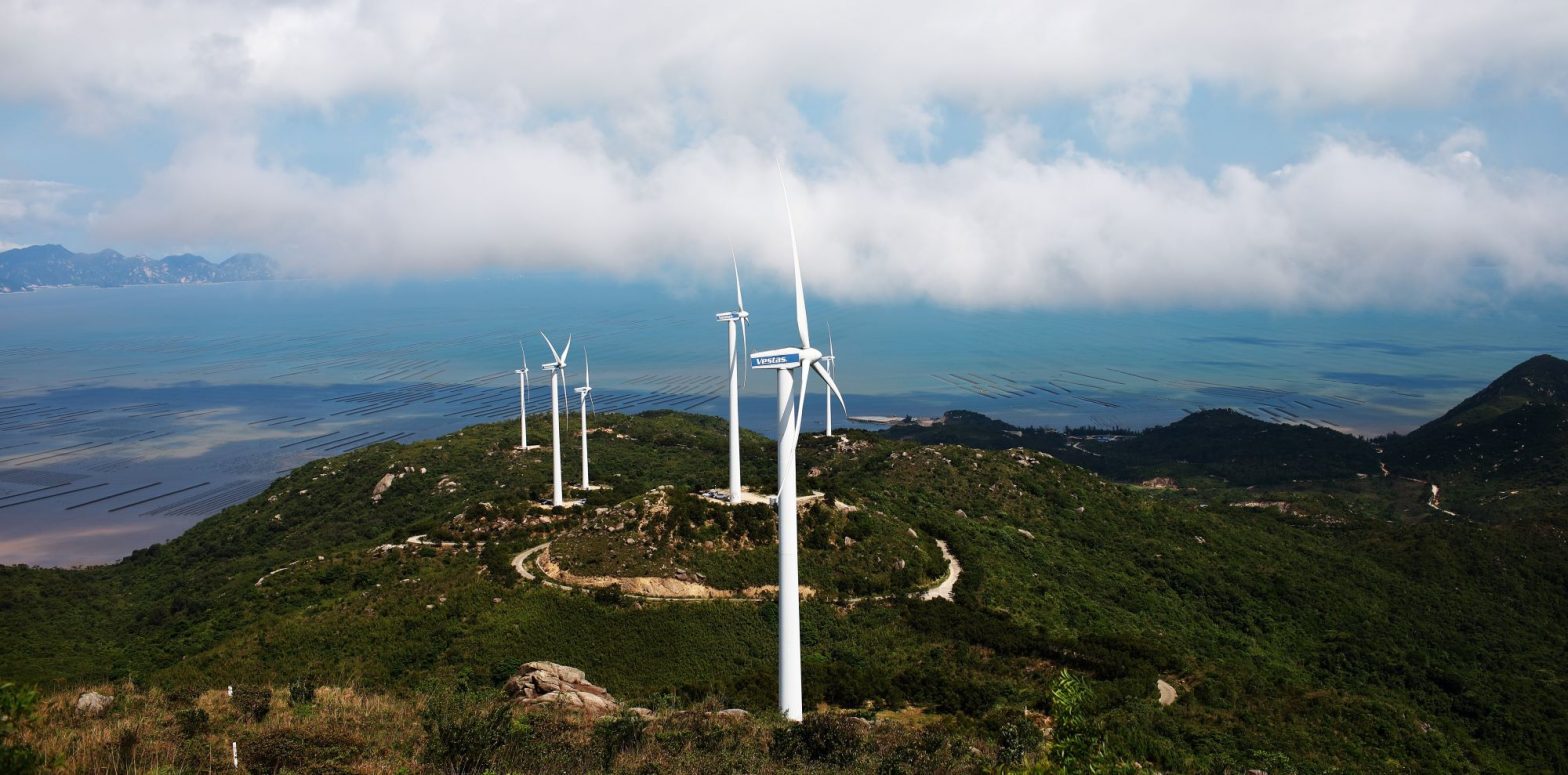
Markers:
128,414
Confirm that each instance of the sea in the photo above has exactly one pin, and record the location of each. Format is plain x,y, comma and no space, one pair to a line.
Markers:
129,414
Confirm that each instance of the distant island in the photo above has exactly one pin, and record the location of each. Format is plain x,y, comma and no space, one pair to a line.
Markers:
38,266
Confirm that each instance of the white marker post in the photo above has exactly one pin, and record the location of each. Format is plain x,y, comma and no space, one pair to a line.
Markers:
236,748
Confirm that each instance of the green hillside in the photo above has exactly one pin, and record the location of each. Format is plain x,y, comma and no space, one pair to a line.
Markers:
1318,639
1235,448
1503,452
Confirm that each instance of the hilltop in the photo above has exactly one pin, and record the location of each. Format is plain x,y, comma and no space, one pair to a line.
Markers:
24,269
1501,453
1312,638
1218,443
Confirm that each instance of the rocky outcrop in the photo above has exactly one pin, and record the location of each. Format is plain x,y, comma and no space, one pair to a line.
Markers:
93,703
1167,692
381,487
547,683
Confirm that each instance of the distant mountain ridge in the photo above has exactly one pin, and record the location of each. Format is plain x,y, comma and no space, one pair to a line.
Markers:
1216,442
1499,455
24,269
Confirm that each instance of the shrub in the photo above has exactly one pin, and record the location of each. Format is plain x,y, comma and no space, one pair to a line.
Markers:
1078,745
125,749
463,731
610,595
302,691
182,696
1016,736
16,709
192,722
252,702
821,737
291,749
617,733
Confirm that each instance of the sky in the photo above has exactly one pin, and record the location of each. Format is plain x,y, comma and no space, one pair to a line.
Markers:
1318,155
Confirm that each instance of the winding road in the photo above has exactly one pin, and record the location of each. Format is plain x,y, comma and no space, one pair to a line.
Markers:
942,589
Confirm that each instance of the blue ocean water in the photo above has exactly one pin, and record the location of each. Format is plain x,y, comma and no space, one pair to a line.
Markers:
128,414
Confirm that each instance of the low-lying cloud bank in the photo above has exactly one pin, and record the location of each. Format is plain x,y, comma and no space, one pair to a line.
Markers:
1012,224
640,139
739,62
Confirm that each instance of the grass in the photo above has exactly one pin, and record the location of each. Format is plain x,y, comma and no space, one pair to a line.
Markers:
347,730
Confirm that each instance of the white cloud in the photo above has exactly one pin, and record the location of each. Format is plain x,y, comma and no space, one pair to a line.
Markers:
31,207
739,61
1349,225
1139,113
689,101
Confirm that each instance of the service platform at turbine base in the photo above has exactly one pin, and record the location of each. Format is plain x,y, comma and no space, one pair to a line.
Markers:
565,504
668,543
747,495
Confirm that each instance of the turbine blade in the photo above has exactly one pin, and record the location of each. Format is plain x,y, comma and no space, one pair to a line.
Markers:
566,349
740,304
551,346
587,378
800,291
800,406
830,341
833,386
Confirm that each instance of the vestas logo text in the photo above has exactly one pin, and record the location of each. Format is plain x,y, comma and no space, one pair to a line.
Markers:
774,360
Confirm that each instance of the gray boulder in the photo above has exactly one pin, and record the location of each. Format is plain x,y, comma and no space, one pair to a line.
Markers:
93,703
381,487
547,683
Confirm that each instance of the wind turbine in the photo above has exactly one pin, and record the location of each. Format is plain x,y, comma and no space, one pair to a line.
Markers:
792,403
738,316
522,399
557,369
827,394
582,411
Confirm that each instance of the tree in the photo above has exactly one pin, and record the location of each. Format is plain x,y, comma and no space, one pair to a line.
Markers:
17,705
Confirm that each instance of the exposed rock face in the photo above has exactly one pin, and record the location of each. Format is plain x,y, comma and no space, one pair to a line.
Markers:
541,683
93,703
733,713
381,487
1167,692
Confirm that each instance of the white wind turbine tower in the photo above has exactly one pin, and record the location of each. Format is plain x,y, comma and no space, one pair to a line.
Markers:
827,394
792,404
557,369
522,400
582,411
738,316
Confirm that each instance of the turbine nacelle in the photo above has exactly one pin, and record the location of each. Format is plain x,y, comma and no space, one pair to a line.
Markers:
785,358
731,317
